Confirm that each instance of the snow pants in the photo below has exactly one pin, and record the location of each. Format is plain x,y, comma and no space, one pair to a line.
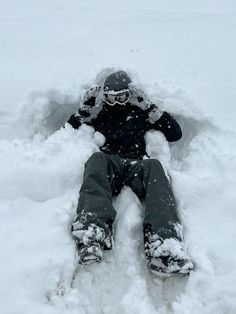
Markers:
104,177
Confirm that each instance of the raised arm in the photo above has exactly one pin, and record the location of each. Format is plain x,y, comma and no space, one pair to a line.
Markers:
164,122
86,110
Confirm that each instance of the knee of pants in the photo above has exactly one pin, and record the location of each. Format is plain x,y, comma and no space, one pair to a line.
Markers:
149,163
98,157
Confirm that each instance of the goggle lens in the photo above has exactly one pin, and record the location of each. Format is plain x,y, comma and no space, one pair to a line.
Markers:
120,97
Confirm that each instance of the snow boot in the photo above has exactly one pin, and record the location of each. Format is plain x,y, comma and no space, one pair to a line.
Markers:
91,240
89,254
168,257
170,265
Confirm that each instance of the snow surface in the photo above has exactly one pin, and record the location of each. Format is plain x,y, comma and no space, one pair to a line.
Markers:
181,52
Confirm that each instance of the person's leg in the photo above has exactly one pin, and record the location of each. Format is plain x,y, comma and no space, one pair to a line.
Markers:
148,180
162,228
103,177
161,213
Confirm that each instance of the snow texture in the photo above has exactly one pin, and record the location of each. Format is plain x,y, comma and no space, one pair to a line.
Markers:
183,54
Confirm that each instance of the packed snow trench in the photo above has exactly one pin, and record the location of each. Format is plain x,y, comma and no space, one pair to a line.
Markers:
183,56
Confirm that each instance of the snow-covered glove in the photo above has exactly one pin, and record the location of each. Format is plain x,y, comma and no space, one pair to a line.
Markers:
89,99
91,93
138,97
154,114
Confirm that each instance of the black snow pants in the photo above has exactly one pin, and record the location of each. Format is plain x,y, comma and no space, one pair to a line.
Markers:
104,177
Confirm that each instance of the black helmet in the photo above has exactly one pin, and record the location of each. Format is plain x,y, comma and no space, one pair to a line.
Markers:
117,81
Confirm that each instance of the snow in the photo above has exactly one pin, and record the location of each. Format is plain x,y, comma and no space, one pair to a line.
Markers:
183,54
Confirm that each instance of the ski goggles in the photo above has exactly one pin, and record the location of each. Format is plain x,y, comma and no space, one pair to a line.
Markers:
120,97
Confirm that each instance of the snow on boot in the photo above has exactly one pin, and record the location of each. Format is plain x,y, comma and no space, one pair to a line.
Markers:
167,257
89,254
90,240
86,234
169,265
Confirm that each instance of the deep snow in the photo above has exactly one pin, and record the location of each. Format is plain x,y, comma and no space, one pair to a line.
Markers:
183,54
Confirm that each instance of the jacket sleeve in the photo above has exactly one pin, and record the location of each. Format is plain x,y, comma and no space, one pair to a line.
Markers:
164,122
75,121
86,109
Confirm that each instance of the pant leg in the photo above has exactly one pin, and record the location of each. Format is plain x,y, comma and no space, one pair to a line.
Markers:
103,178
148,180
161,215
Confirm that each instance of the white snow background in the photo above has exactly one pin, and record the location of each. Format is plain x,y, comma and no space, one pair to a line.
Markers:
183,52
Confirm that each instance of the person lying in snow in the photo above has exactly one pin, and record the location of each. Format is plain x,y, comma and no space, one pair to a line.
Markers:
122,114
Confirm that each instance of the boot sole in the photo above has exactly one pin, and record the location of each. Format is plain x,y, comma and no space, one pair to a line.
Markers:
167,275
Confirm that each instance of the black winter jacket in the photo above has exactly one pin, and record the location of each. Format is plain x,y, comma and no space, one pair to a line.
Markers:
124,126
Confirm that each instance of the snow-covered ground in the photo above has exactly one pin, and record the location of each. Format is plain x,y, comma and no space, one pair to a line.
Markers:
182,52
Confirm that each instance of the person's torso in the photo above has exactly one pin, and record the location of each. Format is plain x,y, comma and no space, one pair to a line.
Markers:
124,128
